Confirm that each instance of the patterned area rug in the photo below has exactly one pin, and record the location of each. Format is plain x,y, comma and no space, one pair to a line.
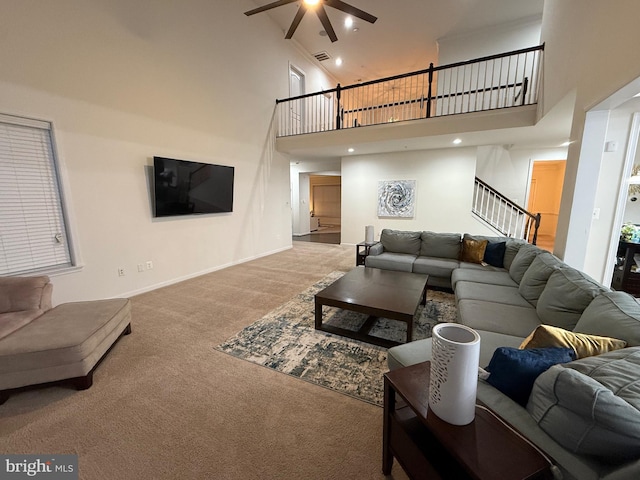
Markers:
285,340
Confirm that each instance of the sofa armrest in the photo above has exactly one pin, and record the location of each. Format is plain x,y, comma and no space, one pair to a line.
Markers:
377,249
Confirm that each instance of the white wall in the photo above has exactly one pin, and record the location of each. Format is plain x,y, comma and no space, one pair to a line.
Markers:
479,43
125,81
508,169
606,196
588,54
444,191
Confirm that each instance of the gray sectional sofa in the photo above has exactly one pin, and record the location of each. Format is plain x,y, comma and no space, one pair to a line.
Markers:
584,414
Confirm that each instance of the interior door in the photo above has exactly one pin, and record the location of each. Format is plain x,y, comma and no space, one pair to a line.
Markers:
545,193
296,107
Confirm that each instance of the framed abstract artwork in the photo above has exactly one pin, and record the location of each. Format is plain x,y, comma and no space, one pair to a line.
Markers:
396,198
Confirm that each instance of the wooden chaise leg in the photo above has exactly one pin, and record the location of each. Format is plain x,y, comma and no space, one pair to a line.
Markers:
127,331
82,383
4,396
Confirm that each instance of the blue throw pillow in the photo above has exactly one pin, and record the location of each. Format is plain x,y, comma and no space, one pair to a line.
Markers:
494,253
513,371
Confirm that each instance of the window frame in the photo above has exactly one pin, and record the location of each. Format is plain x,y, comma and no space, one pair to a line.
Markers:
60,184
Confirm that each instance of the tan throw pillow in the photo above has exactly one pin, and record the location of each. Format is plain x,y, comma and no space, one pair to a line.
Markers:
584,345
473,250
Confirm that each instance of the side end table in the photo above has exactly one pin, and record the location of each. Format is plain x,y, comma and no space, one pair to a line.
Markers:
429,448
362,250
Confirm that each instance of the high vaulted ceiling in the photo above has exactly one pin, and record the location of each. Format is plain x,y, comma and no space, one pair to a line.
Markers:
403,39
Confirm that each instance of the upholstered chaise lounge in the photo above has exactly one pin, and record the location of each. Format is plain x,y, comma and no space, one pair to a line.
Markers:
40,344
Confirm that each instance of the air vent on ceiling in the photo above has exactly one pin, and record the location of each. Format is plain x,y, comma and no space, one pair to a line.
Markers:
321,56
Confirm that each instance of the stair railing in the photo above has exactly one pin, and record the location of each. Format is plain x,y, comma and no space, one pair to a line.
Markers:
505,80
503,215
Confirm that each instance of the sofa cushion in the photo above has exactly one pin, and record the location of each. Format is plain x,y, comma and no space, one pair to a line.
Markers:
522,261
440,245
420,350
401,262
511,250
397,241
582,344
485,267
486,291
65,342
472,249
437,267
612,314
494,254
535,278
12,321
482,275
567,293
24,293
498,317
592,406
513,371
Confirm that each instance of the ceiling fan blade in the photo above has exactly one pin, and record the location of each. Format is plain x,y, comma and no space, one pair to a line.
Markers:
269,6
351,10
296,21
322,15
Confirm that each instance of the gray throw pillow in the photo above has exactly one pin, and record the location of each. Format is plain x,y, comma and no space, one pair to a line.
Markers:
612,314
522,261
592,406
535,278
440,245
567,294
397,241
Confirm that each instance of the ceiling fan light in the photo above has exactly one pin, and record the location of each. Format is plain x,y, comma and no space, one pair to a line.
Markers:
311,2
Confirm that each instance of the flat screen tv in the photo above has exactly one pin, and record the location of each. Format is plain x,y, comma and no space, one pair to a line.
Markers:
189,188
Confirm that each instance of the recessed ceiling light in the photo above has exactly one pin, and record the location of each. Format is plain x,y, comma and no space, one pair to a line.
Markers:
338,61
348,22
351,150
457,141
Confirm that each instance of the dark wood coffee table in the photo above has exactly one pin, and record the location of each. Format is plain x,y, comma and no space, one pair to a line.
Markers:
430,448
377,293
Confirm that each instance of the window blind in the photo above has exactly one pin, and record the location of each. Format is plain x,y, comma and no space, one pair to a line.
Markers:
33,234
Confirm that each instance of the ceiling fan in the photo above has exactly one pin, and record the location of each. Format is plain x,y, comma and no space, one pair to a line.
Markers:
318,6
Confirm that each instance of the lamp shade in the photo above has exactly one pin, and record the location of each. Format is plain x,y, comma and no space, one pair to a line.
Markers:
454,373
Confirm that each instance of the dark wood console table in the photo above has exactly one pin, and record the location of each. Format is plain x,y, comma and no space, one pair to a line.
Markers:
430,448
362,250
626,276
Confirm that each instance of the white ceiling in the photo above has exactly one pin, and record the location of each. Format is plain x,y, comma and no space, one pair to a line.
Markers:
403,39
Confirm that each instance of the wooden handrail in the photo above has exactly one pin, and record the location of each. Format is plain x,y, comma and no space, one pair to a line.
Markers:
517,208
418,72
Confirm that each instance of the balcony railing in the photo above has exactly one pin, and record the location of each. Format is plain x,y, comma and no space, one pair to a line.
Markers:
503,215
499,81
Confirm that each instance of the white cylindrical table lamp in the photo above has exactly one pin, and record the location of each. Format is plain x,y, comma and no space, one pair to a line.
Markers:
455,356
368,234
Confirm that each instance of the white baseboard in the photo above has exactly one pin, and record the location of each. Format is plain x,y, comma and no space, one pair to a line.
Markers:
200,273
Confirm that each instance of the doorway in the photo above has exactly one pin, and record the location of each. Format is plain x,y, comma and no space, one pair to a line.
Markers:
325,208
545,193
296,107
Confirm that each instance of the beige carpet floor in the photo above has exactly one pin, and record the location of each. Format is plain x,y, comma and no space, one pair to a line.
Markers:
166,405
